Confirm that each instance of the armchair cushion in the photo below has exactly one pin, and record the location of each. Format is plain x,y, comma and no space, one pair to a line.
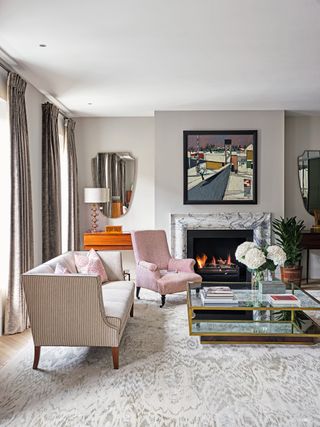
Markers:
90,263
148,265
185,265
171,282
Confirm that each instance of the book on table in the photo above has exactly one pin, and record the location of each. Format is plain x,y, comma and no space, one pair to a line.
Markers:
221,295
218,291
283,300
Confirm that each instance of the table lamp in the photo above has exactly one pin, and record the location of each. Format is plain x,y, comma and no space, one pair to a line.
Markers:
95,196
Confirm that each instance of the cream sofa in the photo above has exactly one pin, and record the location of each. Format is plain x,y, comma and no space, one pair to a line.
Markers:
77,309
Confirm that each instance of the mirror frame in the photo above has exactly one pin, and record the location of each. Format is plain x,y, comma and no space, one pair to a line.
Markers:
103,167
300,160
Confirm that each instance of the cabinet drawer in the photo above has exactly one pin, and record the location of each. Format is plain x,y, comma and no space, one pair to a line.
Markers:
107,241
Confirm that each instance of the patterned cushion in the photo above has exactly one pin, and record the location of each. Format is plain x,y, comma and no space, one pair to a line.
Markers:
61,269
90,263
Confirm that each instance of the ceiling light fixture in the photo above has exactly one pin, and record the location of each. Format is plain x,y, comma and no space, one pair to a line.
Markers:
42,45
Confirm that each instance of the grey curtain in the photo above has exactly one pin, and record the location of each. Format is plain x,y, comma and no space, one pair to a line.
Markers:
73,193
21,227
51,194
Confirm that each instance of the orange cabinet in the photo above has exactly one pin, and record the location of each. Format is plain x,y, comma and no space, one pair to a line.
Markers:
107,241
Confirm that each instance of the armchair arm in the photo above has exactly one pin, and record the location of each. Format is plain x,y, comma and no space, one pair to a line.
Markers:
147,275
184,265
148,265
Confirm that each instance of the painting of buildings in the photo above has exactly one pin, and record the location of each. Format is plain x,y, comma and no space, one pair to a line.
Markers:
220,167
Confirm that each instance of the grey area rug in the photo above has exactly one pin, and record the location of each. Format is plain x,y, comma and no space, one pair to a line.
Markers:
166,378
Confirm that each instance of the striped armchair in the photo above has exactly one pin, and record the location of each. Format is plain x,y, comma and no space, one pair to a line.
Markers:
77,309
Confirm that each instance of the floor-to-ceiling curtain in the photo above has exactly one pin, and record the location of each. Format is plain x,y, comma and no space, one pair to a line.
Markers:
51,194
21,227
73,194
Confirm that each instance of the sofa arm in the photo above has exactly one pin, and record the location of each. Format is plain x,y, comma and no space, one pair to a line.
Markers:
67,310
148,265
184,265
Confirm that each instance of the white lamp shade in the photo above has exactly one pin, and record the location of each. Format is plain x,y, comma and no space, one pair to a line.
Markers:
96,195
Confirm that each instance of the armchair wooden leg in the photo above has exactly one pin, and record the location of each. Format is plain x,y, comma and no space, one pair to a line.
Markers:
138,292
115,357
131,311
163,300
37,350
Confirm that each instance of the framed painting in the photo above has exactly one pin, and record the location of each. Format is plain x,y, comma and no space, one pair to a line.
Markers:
220,167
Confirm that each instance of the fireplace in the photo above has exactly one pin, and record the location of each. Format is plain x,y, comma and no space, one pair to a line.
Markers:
214,252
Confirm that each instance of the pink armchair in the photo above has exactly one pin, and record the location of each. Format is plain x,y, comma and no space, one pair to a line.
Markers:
156,269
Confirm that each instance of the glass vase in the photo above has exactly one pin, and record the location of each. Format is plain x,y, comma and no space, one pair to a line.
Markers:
256,278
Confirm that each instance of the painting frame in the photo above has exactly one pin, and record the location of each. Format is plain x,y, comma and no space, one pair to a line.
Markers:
187,200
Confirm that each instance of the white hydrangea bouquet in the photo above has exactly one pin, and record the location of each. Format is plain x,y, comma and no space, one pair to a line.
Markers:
258,260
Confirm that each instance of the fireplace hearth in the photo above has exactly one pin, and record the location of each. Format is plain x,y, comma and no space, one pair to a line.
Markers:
214,253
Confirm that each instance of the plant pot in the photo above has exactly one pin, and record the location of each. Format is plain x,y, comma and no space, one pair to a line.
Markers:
291,274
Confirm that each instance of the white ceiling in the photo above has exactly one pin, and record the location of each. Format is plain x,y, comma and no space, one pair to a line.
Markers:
132,57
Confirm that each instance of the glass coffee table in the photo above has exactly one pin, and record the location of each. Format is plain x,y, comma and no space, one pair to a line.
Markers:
253,319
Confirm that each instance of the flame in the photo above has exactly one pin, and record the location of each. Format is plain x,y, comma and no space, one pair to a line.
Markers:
214,261
229,260
201,260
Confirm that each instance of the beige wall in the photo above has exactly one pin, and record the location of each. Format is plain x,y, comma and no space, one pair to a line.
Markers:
301,133
136,135
169,127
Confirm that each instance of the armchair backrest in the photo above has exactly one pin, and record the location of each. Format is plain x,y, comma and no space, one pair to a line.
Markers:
151,246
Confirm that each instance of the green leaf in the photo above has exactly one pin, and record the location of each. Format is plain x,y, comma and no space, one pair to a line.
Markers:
288,234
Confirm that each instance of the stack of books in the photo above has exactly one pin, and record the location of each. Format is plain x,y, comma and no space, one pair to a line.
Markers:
218,295
283,300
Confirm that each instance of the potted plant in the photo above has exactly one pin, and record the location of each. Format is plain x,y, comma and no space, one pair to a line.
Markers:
288,233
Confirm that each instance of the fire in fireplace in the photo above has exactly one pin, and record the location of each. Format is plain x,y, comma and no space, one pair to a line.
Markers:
214,252
216,266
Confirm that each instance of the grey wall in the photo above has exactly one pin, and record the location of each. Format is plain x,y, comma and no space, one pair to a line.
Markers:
169,127
158,145
301,133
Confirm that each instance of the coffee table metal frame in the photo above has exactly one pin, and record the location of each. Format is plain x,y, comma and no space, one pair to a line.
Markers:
264,328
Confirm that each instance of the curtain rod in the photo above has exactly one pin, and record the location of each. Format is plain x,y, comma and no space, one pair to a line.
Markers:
4,67
8,70
63,114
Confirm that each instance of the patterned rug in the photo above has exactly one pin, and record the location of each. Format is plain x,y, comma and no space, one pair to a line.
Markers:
166,378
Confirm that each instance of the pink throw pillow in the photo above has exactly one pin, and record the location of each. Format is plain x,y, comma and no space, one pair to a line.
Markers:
90,264
61,269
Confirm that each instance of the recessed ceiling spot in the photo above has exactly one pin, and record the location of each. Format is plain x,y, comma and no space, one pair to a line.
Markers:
89,103
42,45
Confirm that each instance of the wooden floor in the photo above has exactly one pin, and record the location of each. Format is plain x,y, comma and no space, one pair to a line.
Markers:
11,344
312,285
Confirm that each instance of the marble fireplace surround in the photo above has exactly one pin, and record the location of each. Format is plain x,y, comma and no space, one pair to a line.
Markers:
260,223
